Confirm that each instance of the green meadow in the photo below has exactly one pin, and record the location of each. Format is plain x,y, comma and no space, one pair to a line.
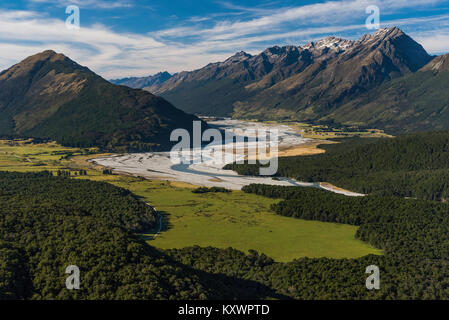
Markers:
236,219
24,156
243,221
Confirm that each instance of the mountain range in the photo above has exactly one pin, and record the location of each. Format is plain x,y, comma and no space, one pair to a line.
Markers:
385,80
143,82
49,96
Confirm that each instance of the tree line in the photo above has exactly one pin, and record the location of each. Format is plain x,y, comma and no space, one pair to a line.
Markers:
413,165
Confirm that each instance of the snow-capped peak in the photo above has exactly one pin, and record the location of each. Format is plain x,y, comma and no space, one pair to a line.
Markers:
333,43
238,57
382,34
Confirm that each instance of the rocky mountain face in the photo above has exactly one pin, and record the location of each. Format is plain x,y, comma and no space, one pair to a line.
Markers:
142,82
418,101
226,81
343,74
298,83
50,96
438,64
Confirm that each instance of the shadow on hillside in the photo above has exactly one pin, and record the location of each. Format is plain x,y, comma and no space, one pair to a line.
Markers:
166,225
221,286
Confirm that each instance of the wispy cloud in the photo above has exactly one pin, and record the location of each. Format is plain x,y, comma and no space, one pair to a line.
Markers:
101,4
197,41
331,13
242,9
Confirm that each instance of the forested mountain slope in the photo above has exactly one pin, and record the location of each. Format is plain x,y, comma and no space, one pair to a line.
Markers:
49,96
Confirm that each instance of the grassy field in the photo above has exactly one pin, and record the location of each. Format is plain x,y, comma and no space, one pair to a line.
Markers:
242,221
235,219
24,156
325,132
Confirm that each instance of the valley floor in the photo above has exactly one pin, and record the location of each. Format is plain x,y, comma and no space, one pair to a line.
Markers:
208,172
239,220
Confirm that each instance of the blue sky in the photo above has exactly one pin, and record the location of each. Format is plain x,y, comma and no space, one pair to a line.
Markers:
139,37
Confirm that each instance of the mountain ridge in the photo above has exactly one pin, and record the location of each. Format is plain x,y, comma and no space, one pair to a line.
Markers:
49,96
142,82
417,102
330,82
306,83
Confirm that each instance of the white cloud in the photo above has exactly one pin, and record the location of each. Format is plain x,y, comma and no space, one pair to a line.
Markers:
102,4
327,13
114,54
435,43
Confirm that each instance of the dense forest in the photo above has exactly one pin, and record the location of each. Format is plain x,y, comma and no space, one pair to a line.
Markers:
48,223
414,235
413,165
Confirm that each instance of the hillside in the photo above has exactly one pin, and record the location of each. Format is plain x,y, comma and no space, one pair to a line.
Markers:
50,96
226,81
327,84
416,102
298,83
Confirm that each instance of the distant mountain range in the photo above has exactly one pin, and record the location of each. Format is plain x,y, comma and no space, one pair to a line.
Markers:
385,80
142,82
50,96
